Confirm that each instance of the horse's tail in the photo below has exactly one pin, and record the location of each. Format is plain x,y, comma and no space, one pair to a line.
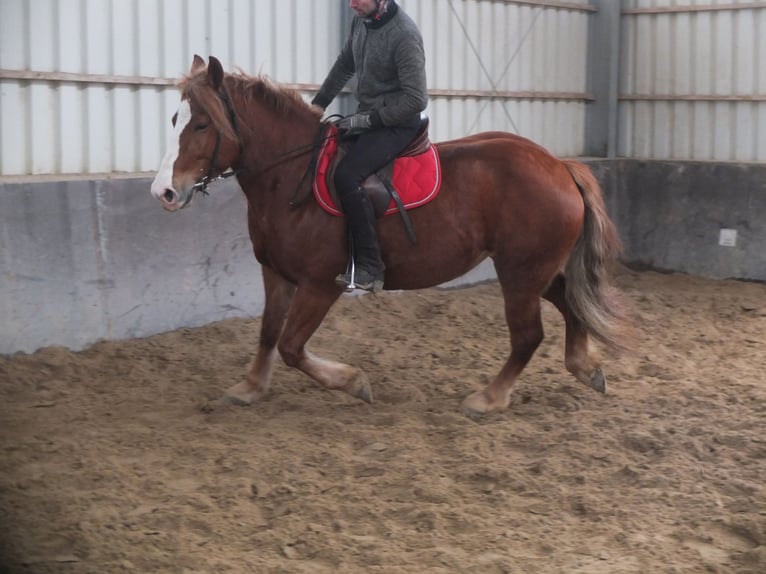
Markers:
588,291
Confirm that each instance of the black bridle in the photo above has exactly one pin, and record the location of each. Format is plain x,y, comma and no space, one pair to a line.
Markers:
201,185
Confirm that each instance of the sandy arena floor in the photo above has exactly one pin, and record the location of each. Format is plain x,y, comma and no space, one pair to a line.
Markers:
119,458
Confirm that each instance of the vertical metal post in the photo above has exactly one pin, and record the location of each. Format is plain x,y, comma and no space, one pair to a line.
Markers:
346,103
601,122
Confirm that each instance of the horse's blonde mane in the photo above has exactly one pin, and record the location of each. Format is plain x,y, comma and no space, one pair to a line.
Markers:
281,99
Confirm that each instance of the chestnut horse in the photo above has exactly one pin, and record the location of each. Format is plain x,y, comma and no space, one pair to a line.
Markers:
542,220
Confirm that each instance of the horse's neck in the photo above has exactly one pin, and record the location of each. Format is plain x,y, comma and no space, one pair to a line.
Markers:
276,154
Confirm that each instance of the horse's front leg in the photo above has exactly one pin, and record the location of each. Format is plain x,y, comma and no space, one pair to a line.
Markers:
279,293
309,307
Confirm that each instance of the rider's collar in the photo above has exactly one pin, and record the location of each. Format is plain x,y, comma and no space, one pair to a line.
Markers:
381,17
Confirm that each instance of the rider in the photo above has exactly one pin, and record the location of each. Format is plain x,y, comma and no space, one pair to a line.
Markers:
385,51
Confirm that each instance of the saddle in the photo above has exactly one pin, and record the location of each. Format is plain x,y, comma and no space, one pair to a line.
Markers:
411,180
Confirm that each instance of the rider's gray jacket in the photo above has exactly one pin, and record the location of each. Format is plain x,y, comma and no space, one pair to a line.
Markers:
388,59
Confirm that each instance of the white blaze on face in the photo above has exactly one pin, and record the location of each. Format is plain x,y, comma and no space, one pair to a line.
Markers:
164,178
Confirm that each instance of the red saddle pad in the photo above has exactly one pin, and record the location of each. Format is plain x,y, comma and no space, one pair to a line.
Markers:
417,178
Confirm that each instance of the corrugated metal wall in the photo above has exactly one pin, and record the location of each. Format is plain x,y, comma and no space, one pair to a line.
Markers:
86,86
513,66
108,68
693,80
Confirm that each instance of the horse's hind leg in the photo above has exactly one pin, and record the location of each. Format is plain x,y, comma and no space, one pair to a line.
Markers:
279,293
308,309
522,312
576,356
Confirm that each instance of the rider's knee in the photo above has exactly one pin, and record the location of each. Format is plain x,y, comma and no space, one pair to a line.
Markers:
346,180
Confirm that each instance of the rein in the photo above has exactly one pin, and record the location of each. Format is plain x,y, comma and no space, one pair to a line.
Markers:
316,145
313,147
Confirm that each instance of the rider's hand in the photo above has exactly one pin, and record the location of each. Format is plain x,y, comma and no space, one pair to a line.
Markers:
354,124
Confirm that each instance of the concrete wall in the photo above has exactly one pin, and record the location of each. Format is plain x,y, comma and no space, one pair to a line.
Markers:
671,215
89,260
85,260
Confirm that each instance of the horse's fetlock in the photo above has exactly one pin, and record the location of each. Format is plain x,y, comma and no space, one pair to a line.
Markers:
291,357
574,365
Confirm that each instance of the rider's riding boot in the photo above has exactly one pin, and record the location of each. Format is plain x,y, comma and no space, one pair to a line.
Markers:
369,270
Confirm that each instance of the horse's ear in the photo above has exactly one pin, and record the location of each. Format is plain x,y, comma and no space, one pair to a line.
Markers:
215,72
197,64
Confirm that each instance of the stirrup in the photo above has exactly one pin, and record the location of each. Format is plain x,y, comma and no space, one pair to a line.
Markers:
349,282
369,282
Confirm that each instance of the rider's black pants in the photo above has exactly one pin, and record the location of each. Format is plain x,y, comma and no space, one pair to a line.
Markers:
367,153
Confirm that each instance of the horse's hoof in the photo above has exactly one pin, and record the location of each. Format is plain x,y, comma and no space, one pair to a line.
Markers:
472,414
241,395
476,405
598,381
231,400
364,393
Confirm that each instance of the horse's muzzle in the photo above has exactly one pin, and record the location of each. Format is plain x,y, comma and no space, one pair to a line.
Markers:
169,200
173,201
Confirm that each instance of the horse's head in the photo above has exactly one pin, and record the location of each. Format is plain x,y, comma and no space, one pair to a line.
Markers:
205,141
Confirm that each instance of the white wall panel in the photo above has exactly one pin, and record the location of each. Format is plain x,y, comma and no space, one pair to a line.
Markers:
493,64
79,125
515,50
693,84
99,142
96,37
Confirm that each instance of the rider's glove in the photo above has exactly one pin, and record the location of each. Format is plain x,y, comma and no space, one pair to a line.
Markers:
318,102
354,124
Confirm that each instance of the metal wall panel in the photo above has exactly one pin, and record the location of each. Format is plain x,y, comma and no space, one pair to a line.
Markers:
86,86
512,66
675,104
108,68
693,84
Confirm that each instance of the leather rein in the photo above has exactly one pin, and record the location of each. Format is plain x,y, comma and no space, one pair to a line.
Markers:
313,147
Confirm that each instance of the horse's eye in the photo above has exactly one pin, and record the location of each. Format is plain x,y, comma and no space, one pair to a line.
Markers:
200,127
